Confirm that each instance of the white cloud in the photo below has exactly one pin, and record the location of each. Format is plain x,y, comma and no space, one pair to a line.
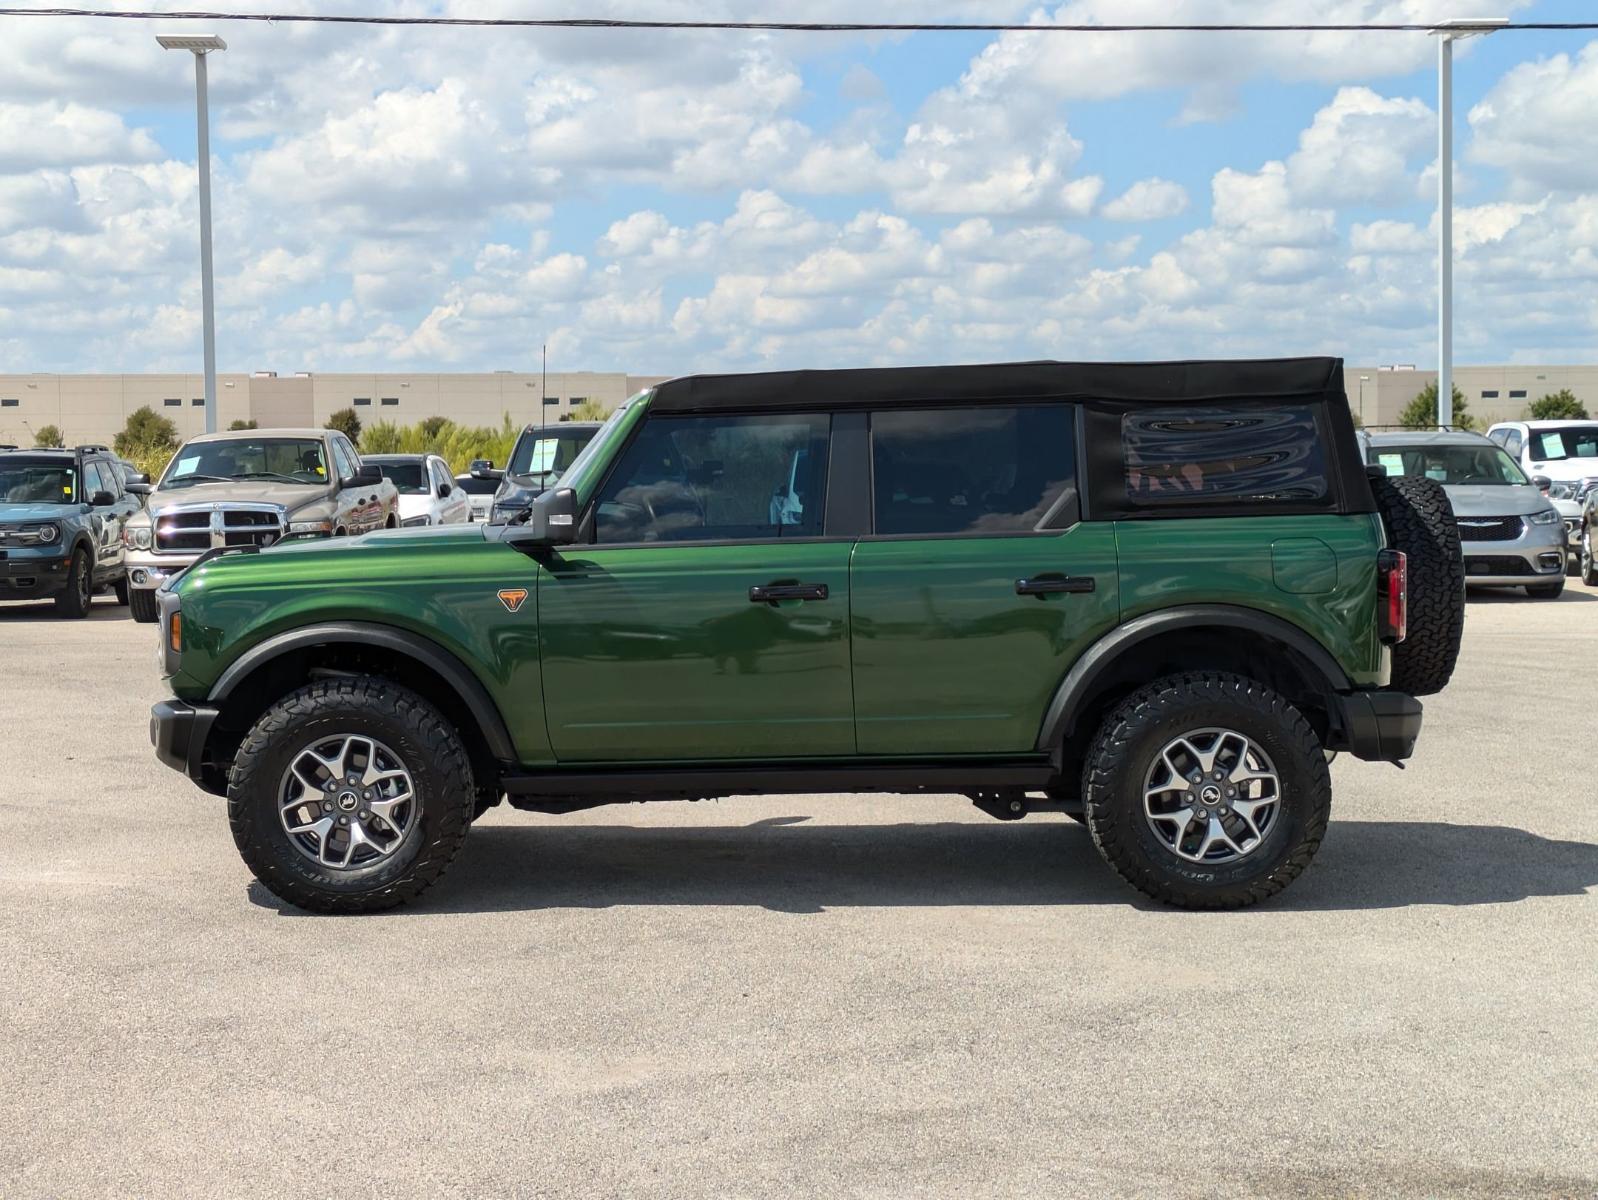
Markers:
53,134
1359,149
1148,200
1537,123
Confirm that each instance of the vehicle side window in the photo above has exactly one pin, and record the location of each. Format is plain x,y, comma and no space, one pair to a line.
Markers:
713,478
1246,453
441,476
994,469
101,479
343,459
1513,442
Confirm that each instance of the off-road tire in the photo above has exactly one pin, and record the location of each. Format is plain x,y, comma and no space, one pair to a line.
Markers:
121,589
422,738
1123,752
1589,559
1420,522
142,606
74,600
1546,591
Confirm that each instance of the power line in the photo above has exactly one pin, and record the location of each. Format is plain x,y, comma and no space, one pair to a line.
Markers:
778,26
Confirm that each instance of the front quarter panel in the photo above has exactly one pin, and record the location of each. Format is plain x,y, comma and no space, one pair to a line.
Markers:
440,584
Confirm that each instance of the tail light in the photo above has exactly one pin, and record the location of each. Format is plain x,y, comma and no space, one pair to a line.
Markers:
1392,595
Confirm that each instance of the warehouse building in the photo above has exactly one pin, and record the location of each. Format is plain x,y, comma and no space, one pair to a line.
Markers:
1377,395
94,408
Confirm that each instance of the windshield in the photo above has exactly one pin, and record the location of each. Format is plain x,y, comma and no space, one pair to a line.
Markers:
1566,442
37,481
408,478
548,452
288,460
1451,464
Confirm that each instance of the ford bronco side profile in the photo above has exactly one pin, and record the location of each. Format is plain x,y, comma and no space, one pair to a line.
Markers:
1152,596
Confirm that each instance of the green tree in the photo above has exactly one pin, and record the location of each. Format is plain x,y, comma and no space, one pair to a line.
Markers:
346,422
1421,412
1558,406
147,440
50,436
433,426
588,410
237,425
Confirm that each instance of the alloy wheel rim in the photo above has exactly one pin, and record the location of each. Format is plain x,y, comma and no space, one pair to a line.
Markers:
347,802
1211,796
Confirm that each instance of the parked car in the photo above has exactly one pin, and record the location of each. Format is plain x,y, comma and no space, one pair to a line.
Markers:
1587,558
1510,535
251,487
480,483
427,491
542,454
62,513
1093,588
1561,457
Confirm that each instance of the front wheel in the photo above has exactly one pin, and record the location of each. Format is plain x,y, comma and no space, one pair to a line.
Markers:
1589,567
75,600
1207,791
142,606
350,795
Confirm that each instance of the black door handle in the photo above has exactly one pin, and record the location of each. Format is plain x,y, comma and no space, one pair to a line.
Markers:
1051,585
774,592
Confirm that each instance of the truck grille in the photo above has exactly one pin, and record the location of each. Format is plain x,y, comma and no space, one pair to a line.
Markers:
1490,529
194,530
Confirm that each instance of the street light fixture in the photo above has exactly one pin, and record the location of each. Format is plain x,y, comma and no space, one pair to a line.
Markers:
1447,33
201,45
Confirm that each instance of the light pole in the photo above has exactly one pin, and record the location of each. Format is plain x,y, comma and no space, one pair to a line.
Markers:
1447,33
201,45
1363,380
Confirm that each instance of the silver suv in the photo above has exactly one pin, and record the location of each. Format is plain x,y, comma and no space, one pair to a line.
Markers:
1509,533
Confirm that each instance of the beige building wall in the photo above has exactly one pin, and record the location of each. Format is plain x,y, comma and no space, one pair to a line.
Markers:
1495,393
94,408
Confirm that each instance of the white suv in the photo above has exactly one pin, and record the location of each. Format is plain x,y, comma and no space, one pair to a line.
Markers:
1561,457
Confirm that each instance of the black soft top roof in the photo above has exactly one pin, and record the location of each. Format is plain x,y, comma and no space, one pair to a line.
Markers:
1151,382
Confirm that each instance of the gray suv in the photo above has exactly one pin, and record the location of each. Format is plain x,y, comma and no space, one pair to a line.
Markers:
1509,533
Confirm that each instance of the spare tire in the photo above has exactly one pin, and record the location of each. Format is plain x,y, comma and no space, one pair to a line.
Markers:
1420,522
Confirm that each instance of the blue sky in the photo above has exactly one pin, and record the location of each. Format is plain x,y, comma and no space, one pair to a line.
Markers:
405,199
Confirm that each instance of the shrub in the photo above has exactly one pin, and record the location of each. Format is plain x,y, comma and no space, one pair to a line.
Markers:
50,436
1558,406
1421,412
348,423
456,444
147,440
237,425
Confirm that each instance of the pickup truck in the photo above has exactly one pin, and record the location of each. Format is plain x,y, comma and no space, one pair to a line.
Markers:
250,488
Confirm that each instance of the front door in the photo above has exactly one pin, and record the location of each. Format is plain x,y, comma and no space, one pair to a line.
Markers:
709,616
979,586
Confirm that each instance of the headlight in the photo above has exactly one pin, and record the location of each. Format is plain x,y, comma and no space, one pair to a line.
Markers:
412,522
136,537
46,533
1548,516
325,526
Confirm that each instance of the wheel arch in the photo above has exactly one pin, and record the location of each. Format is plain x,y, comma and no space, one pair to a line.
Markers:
1197,636
276,666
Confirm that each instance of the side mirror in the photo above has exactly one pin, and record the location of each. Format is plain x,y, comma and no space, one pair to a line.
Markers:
365,476
444,491
139,487
102,500
483,468
1542,482
552,521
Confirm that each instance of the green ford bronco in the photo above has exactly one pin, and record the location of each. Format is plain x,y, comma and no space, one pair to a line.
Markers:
1154,597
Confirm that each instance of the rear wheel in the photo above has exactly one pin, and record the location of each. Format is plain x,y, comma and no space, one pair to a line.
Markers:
120,589
142,606
74,601
350,795
1420,522
1207,791
1589,566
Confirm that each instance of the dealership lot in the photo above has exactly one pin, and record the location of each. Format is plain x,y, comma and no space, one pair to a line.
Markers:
802,996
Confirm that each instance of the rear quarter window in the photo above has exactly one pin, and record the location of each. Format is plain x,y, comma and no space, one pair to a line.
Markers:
1220,455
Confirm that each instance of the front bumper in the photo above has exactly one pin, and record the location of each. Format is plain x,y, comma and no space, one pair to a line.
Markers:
178,731
148,571
1377,726
1536,556
31,576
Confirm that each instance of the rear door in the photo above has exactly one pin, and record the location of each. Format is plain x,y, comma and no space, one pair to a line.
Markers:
978,585
708,617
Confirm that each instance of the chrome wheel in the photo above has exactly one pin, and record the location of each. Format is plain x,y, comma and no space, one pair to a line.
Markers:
347,802
1211,796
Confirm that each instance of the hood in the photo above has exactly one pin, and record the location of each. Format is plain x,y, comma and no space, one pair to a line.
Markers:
34,514
1564,468
518,490
1494,500
381,539
414,505
291,496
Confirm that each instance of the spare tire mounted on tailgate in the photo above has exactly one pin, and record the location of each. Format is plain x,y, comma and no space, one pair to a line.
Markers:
1420,522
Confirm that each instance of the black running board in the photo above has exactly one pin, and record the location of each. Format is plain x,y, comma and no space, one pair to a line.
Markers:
786,779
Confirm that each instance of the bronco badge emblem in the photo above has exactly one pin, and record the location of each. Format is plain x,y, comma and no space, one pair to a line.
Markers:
512,598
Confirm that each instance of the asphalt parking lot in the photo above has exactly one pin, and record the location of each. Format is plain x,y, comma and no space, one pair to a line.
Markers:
806,996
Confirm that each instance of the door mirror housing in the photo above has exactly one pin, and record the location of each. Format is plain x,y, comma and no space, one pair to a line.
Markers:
138,489
102,500
1542,482
444,491
551,521
365,476
483,468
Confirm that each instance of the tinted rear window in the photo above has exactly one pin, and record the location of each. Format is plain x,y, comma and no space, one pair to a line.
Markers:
1223,454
